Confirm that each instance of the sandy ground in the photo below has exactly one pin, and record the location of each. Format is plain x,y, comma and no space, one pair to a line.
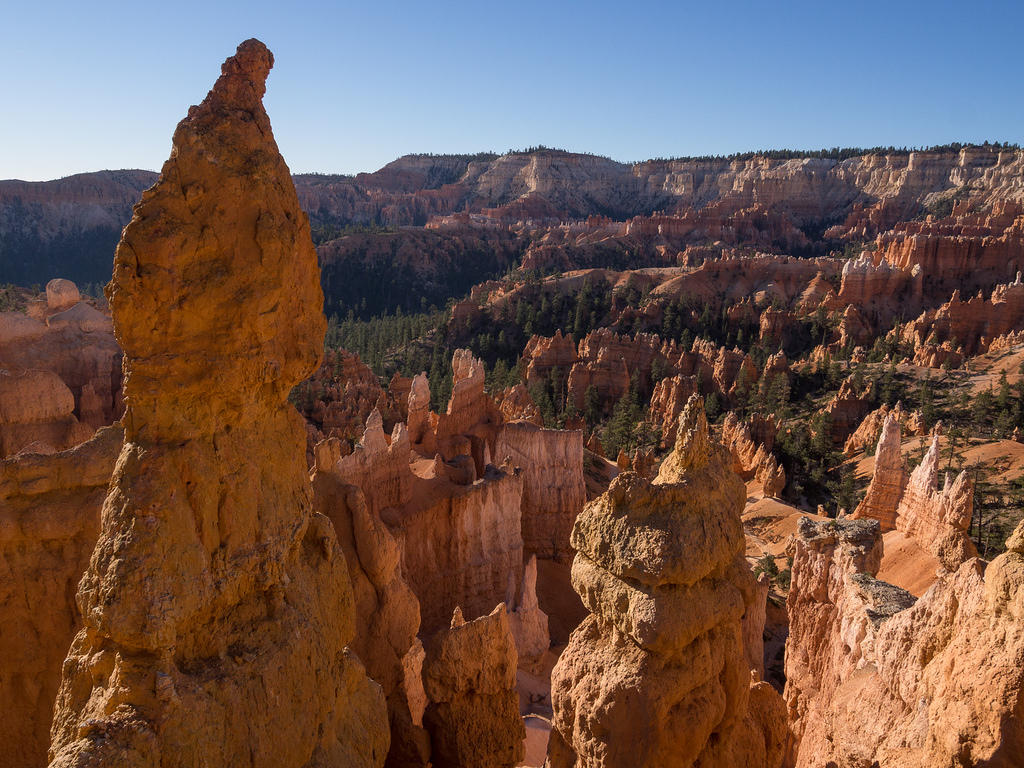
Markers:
770,526
535,707
906,564
537,731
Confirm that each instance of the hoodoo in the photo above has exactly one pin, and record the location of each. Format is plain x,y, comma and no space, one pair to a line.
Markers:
658,675
217,604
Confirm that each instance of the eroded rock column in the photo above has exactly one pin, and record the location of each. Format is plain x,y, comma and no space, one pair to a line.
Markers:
657,675
216,604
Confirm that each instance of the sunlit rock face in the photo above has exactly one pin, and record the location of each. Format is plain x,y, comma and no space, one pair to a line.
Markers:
875,677
217,605
658,675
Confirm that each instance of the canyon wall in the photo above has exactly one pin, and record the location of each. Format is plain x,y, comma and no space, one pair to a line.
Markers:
553,486
386,609
459,533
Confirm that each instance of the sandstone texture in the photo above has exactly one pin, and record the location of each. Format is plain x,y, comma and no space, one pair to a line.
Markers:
937,519
459,533
870,429
217,604
387,612
658,675
49,522
469,675
889,479
875,677
553,486
751,459
60,372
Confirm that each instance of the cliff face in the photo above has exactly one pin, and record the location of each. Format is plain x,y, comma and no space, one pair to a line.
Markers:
553,487
757,200
213,582
964,328
658,674
875,677
49,521
832,619
68,227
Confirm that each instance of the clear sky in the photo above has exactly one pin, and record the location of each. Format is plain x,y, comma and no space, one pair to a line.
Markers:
91,85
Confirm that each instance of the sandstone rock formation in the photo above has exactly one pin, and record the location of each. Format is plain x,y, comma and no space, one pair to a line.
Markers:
517,405
470,676
553,486
848,407
751,459
61,373
658,675
528,623
936,519
386,610
667,403
756,199
61,294
469,425
339,396
889,479
964,328
49,521
870,428
609,364
875,678
459,532
216,604
37,412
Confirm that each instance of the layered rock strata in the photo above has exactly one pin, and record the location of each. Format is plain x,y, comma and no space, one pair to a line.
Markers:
217,604
553,487
459,533
658,675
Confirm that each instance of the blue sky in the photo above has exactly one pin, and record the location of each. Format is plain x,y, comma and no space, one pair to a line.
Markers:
98,85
